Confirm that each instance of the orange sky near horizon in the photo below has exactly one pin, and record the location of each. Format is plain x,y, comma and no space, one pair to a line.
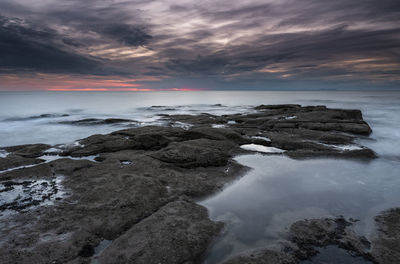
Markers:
52,82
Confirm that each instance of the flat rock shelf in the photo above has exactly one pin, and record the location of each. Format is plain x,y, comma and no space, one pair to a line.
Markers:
136,189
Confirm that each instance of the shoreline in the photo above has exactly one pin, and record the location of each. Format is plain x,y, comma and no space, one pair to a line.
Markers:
145,180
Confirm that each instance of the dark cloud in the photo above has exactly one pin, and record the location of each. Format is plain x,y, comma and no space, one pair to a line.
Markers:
124,33
71,42
298,53
25,48
245,41
341,11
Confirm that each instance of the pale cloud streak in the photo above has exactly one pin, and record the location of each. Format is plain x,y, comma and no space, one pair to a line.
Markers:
214,43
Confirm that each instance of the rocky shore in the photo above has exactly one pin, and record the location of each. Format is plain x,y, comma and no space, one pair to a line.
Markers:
129,196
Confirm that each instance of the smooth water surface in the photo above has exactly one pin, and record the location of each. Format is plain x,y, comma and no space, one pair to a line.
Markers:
259,207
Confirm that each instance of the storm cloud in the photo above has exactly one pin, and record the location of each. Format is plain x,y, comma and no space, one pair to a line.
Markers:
126,34
249,44
24,48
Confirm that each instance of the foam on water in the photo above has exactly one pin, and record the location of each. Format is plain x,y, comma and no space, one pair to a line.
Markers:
49,158
179,124
262,138
28,193
261,148
3,153
218,126
347,147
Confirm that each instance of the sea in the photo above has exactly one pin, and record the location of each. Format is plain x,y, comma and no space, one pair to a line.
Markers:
258,207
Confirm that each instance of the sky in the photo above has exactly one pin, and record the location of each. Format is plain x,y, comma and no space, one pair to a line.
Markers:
145,45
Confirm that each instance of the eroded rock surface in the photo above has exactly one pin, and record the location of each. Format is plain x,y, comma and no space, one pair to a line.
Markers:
179,232
118,194
308,236
386,246
263,257
135,187
302,131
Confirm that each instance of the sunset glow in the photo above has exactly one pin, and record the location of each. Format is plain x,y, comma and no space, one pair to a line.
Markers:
120,89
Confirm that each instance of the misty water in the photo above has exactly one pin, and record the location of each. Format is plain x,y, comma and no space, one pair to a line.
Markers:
259,207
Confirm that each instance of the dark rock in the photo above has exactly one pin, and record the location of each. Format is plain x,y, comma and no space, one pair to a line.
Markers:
154,130
36,117
86,251
177,233
364,153
195,153
96,121
29,150
386,247
202,119
361,128
106,200
14,161
42,170
101,143
263,257
217,134
281,106
116,120
308,234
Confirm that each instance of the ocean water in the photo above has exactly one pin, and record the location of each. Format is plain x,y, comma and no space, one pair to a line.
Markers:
259,207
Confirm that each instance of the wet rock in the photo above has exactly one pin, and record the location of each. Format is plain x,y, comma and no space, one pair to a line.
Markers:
202,119
386,246
33,171
96,121
116,120
102,202
101,143
263,257
195,153
28,151
364,153
153,130
309,234
301,130
14,161
22,194
281,106
318,136
307,237
36,117
360,128
177,233
66,166
86,251
201,182
218,134
111,200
